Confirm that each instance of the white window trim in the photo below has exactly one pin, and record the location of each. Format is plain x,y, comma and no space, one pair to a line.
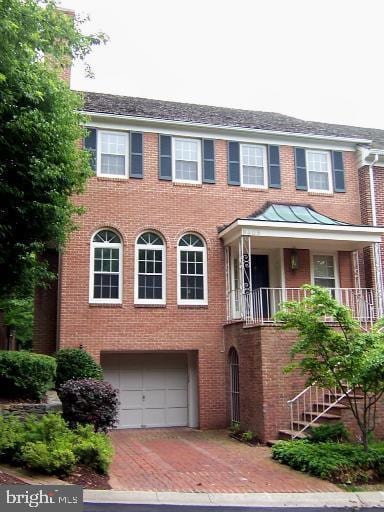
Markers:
329,165
192,302
93,246
335,262
199,166
99,133
138,246
265,166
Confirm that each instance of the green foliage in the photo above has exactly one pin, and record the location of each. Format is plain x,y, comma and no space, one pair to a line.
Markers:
346,357
247,436
337,462
89,401
18,315
334,432
93,449
11,437
26,375
235,427
74,364
48,445
41,163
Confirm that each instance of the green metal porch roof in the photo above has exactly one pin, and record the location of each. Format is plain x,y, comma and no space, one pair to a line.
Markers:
293,213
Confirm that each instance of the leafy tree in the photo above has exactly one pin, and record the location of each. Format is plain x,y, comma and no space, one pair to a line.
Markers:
18,315
346,356
41,163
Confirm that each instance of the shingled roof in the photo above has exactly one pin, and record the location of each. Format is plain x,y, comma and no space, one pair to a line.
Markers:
219,116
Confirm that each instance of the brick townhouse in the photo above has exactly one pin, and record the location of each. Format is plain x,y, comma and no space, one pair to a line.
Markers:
199,221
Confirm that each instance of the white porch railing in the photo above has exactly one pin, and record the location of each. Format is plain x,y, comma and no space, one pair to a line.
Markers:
261,305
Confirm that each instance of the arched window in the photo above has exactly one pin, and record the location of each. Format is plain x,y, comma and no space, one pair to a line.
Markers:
150,269
106,267
192,270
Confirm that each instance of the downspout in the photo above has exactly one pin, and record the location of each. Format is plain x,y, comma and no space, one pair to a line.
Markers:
376,247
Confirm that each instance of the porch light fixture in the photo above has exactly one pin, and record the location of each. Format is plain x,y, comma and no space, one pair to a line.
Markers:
294,260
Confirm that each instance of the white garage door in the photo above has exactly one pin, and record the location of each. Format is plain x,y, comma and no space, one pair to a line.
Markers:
153,388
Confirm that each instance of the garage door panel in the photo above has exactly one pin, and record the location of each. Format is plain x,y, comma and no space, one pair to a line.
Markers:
177,417
177,397
131,379
113,377
154,379
176,379
131,418
154,417
155,398
131,399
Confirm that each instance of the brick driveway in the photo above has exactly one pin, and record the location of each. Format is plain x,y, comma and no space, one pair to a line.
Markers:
189,460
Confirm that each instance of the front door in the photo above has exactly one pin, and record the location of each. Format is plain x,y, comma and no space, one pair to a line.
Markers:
260,283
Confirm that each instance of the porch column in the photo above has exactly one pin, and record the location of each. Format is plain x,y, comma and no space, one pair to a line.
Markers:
227,255
378,278
245,264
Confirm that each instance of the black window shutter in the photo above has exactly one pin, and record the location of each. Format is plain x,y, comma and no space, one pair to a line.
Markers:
338,171
90,144
165,157
233,163
301,169
136,167
208,161
274,178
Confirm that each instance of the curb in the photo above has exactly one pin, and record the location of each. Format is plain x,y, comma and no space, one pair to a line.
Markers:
357,500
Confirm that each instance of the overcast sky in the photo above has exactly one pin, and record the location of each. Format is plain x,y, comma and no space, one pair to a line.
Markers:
319,60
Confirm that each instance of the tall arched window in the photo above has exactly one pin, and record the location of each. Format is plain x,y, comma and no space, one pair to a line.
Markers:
192,270
150,269
106,267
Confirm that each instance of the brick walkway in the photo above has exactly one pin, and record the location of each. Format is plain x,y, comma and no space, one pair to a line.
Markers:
193,461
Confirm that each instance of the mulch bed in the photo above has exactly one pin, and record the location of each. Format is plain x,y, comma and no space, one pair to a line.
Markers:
253,442
6,479
87,478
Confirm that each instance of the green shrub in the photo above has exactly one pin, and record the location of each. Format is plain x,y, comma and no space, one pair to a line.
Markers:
55,458
93,449
75,364
25,374
48,445
337,462
333,432
247,436
11,437
89,401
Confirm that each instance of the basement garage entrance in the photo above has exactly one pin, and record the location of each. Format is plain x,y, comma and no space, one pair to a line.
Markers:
154,388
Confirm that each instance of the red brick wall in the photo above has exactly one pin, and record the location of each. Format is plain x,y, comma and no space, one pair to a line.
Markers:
264,387
345,269
296,278
131,206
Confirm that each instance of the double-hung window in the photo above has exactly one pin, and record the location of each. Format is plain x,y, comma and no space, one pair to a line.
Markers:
253,168
319,171
192,270
112,158
187,160
150,269
106,268
324,270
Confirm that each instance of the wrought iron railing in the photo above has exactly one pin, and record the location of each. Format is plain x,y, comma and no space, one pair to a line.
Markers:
260,305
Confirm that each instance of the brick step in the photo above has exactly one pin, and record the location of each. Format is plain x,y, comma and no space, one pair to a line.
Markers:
272,442
287,434
323,419
336,396
317,406
300,424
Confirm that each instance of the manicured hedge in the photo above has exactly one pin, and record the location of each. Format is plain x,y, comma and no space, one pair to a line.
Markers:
89,401
74,364
48,445
25,374
337,462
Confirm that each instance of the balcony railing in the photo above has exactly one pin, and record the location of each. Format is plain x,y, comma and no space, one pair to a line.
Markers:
261,305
